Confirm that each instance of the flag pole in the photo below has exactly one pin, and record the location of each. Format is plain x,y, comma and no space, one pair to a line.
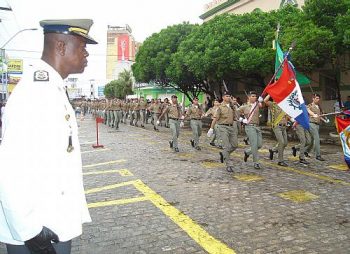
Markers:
274,76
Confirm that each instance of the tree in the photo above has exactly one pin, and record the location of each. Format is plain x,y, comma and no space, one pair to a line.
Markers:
121,87
154,57
333,17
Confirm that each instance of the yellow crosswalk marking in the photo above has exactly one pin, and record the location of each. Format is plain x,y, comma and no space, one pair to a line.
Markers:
298,196
103,163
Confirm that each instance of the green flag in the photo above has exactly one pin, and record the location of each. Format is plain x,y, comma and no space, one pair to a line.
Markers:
301,78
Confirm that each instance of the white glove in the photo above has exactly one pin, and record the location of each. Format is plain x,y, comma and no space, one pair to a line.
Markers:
210,132
182,117
292,119
240,119
260,99
326,120
158,123
182,124
245,121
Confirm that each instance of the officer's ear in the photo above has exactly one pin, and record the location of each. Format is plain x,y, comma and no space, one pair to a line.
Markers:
61,47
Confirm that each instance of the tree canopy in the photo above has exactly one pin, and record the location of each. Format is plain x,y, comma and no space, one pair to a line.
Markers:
238,48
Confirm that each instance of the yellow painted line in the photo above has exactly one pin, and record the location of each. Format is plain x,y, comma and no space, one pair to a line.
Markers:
103,163
196,232
117,202
96,150
109,187
101,172
151,143
185,155
248,177
302,172
306,173
208,164
124,172
292,158
298,196
264,150
341,167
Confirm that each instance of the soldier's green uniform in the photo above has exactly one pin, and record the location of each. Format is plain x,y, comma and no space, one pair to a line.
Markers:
304,142
216,134
117,111
279,126
156,110
226,121
253,132
126,107
143,106
175,114
195,113
315,128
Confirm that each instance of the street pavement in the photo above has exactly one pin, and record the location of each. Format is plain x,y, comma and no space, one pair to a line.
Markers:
145,198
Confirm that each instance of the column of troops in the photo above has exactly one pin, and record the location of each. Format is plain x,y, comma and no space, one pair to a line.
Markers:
227,118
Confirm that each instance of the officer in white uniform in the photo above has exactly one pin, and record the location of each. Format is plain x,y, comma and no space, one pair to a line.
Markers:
42,200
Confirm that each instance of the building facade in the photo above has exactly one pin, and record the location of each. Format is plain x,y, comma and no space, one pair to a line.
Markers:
121,51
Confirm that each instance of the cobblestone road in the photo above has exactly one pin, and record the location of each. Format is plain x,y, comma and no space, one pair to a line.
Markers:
144,198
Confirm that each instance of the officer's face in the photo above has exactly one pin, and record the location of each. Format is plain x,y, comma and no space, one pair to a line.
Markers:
76,54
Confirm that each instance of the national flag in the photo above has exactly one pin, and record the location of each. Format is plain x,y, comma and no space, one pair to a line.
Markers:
301,78
343,128
287,94
99,120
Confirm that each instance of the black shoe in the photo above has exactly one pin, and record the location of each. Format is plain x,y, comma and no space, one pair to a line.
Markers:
221,157
212,143
257,166
246,156
171,144
117,128
229,169
303,161
142,126
192,142
220,147
245,141
282,163
319,158
271,154
176,149
307,154
294,151
198,148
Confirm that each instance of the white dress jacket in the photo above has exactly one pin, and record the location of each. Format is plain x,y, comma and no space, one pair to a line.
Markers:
40,181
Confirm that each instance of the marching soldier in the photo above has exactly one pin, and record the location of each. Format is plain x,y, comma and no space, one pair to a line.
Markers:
279,121
175,115
126,108
314,110
216,134
195,113
156,110
225,118
166,116
252,129
143,106
117,112
304,143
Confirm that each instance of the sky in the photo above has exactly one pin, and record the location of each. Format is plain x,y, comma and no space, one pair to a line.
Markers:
145,17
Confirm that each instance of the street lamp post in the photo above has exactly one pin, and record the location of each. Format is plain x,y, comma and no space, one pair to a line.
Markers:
4,75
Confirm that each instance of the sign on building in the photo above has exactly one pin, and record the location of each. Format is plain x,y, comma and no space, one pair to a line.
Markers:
15,66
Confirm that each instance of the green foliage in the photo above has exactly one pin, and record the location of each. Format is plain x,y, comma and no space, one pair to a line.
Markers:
121,87
237,48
